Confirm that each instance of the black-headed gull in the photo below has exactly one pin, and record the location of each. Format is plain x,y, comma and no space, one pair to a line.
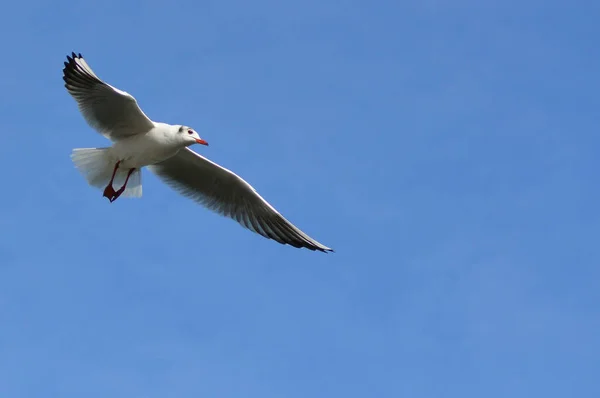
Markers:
163,148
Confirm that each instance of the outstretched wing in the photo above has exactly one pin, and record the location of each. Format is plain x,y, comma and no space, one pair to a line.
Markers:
226,193
114,113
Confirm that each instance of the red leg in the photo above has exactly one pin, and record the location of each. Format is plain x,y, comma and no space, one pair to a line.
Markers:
122,189
109,191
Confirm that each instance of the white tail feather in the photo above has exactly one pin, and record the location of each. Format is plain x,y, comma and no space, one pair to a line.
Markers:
97,165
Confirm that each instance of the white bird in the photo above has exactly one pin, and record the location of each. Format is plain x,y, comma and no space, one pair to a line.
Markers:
163,148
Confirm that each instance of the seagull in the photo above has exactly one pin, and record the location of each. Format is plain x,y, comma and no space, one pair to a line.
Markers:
139,142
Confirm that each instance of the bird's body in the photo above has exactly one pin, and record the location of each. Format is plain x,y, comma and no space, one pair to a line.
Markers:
139,142
148,148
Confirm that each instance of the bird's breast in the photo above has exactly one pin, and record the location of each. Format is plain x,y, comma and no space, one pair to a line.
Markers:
143,150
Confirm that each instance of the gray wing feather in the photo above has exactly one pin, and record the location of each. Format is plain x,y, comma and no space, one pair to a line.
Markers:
114,113
226,193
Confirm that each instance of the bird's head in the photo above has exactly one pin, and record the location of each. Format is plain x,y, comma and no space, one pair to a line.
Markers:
189,136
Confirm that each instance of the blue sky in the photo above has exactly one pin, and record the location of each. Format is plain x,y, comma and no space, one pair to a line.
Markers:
446,150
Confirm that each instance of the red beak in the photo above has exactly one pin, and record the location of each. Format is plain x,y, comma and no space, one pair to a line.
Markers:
201,141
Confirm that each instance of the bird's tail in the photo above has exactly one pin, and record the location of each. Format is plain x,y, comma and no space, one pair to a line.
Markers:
97,165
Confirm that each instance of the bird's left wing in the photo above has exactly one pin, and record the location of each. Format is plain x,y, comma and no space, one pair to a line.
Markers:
226,193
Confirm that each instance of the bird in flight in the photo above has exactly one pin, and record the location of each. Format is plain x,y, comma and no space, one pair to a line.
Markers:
164,149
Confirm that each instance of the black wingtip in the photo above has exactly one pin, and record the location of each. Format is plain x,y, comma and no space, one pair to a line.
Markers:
321,249
72,68
74,56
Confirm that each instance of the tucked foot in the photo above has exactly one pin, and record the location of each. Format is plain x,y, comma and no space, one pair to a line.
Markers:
118,193
110,193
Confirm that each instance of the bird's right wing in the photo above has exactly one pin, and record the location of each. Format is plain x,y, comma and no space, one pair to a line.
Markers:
114,113
226,193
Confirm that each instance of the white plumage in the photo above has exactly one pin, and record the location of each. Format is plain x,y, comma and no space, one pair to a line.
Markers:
164,149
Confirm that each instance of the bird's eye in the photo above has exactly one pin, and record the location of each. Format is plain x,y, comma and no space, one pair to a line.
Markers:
190,132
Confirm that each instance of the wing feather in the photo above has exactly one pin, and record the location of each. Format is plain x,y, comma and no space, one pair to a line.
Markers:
113,112
224,192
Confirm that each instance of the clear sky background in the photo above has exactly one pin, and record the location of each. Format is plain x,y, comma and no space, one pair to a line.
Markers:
448,152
